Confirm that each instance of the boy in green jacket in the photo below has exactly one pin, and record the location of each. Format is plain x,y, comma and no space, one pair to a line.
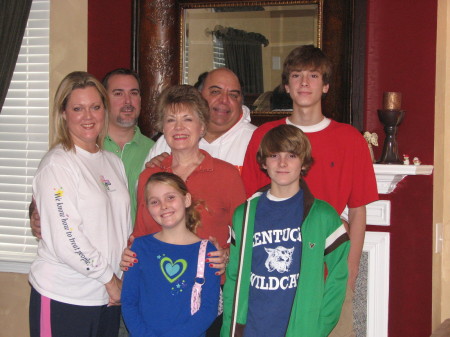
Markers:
281,240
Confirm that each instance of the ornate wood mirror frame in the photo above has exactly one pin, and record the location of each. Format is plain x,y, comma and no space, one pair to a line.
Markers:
157,55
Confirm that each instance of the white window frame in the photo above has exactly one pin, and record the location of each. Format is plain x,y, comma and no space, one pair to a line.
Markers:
24,121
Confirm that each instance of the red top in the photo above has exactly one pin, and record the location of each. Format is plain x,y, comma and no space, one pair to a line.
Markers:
342,173
215,182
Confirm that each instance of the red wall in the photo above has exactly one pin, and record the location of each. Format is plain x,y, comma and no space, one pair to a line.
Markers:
401,45
401,42
109,36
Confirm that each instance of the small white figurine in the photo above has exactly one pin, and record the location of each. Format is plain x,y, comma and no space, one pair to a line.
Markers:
371,139
405,159
416,161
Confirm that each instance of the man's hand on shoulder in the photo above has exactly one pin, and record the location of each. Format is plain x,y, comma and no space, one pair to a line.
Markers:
156,161
35,220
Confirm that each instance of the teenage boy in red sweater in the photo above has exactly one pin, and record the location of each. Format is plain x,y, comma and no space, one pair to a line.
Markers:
342,173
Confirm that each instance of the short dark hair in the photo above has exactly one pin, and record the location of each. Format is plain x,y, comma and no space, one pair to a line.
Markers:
120,71
285,138
201,80
307,57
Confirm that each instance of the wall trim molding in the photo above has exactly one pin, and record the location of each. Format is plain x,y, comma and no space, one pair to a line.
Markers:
377,245
378,213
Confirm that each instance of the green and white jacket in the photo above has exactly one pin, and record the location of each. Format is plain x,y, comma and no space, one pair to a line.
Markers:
318,300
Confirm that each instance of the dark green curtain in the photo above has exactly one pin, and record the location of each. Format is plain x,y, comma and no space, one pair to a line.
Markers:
243,55
13,21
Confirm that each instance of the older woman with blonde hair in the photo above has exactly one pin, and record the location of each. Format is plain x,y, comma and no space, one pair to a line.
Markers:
84,206
182,116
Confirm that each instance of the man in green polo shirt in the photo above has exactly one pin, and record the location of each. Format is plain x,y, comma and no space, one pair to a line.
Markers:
124,137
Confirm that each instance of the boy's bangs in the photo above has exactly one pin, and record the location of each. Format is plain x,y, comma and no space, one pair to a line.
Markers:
284,145
313,65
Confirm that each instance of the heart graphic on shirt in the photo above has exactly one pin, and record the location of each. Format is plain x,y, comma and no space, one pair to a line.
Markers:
172,270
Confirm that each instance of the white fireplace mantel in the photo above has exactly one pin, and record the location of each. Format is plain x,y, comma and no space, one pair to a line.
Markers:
388,176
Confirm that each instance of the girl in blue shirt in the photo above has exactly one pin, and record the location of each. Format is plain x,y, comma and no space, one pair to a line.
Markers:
157,295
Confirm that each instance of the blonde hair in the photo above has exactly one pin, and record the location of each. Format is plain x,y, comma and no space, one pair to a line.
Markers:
285,138
75,80
193,218
179,96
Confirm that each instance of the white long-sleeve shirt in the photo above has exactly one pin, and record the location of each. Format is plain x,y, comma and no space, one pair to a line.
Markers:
84,205
230,147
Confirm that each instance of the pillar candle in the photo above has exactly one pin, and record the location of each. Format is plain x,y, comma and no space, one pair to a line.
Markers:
392,100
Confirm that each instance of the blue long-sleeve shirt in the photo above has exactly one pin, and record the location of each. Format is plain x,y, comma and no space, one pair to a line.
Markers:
156,294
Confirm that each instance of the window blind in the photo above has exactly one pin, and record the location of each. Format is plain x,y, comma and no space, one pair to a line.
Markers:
186,61
218,53
24,140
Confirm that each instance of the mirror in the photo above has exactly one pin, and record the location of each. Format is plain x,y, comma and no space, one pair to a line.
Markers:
253,41
158,55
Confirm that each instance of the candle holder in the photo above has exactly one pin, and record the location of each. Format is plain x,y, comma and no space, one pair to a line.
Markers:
391,118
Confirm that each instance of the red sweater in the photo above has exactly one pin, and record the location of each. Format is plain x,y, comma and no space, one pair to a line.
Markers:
342,173
215,182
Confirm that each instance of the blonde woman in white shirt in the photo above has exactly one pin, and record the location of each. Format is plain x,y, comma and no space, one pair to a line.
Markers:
82,198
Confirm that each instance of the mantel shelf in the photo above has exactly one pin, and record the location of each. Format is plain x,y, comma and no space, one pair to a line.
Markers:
388,176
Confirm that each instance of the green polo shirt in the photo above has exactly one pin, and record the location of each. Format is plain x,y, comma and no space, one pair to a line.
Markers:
133,156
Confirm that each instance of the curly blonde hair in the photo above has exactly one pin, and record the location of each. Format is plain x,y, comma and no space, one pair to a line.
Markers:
177,96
